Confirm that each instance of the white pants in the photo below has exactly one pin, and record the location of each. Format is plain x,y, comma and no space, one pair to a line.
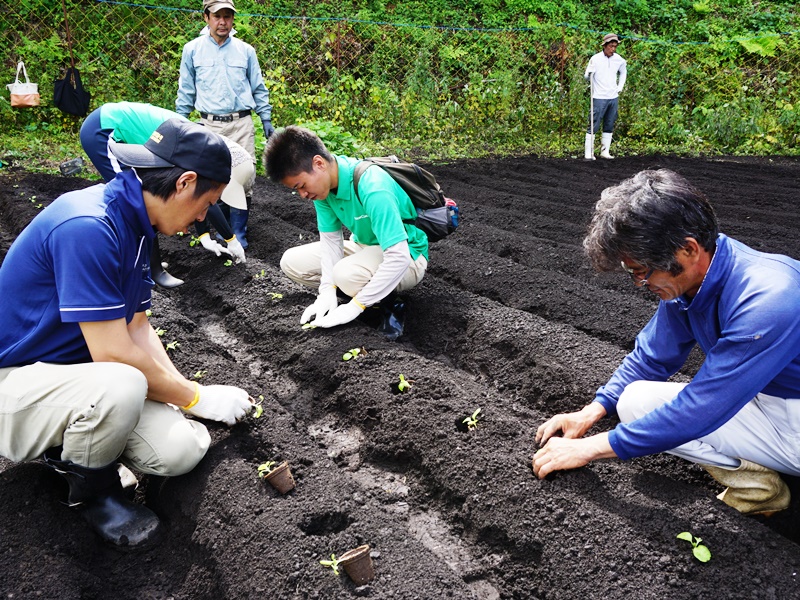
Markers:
302,264
765,431
99,413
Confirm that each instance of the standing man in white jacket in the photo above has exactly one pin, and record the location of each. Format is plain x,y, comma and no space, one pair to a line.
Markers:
606,73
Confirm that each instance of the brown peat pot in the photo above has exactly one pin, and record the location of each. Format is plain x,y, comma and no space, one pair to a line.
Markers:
281,478
358,565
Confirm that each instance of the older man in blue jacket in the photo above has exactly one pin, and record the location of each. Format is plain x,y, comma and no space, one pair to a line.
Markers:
739,417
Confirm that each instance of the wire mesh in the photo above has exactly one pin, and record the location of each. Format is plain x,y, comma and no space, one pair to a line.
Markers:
425,90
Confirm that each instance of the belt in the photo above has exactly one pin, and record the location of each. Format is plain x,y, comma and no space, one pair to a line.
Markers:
226,118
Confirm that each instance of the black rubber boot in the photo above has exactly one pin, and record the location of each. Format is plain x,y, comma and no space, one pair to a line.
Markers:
393,316
98,494
157,272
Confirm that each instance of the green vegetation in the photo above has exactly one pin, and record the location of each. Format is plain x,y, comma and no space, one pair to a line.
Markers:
333,564
404,385
701,552
705,76
472,421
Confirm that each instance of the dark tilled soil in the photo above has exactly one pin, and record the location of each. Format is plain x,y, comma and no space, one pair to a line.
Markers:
509,319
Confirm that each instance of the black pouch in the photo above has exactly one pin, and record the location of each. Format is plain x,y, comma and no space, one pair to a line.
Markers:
69,94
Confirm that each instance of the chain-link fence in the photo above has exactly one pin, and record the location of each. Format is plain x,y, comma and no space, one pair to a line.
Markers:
425,91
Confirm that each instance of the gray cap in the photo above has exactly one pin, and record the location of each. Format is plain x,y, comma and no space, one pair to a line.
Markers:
213,6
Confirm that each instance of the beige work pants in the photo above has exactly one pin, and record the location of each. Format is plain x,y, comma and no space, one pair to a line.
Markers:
99,413
302,264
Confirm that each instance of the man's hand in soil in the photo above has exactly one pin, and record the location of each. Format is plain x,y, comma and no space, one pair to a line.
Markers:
561,453
571,425
224,403
341,315
325,303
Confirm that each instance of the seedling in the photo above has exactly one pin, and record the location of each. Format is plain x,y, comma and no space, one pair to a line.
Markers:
258,409
199,374
353,353
227,263
275,296
259,275
472,420
160,332
333,563
309,326
148,313
173,345
266,468
193,241
701,552
404,384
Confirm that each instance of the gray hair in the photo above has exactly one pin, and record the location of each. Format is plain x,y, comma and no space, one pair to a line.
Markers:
646,219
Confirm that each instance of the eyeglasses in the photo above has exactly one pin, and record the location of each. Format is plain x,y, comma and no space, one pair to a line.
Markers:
639,279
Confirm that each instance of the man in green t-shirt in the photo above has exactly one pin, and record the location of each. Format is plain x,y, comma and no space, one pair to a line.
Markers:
384,254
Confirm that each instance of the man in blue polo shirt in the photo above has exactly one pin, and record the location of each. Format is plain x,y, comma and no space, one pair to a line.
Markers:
84,379
384,254
739,417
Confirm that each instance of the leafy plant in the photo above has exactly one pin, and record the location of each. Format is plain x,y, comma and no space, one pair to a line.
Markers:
227,263
333,564
173,345
160,332
700,551
258,409
309,326
193,241
275,296
472,420
259,275
199,374
404,384
266,468
353,353
148,313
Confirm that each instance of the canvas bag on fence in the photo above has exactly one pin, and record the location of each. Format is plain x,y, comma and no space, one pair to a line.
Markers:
24,94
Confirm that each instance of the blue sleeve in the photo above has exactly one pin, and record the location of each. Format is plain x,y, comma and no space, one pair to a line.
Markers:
756,344
187,90
86,265
260,92
660,351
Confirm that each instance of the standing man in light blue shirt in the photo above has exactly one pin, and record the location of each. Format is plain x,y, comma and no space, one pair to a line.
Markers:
221,78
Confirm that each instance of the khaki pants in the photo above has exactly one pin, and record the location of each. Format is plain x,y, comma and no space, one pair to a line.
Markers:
99,413
302,264
241,130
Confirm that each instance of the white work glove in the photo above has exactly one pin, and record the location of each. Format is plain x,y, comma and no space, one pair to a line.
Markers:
212,245
341,315
326,302
224,403
235,250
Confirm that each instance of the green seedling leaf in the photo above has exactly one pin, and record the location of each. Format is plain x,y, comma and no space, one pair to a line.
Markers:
472,420
173,345
275,296
700,552
160,332
193,241
148,313
353,353
333,564
264,469
199,374
309,326
227,263
404,384
258,411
